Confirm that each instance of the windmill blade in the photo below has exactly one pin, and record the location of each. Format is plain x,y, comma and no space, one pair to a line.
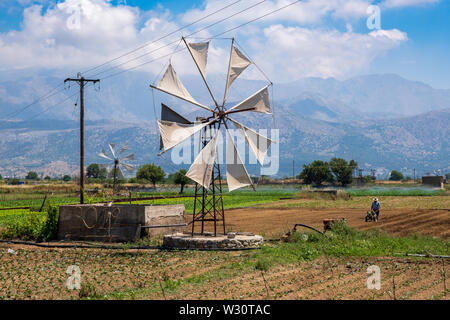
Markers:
128,167
173,133
257,143
170,84
238,63
103,155
123,149
199,52
111,147
201,169
258,102
168,114
128,157
237,175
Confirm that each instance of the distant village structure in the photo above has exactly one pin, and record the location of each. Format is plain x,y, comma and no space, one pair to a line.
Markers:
433,181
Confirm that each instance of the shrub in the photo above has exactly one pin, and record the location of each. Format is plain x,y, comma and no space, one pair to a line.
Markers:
395,175
316,173
49,228
34,227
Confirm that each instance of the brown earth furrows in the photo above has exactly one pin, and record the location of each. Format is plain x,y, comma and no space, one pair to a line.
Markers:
275,221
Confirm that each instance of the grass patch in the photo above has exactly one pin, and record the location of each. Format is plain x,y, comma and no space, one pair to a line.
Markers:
363,202
392,191
346,241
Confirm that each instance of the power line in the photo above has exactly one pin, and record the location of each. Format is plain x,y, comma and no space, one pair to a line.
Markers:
213,37
49,94
52,93
163,37
176,41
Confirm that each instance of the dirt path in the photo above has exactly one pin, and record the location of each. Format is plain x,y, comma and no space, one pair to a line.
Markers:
279,220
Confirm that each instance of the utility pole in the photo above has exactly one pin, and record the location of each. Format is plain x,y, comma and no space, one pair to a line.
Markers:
81,81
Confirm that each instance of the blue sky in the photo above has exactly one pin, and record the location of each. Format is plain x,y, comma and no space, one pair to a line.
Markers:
418,49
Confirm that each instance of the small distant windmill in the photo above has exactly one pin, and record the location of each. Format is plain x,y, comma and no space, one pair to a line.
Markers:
118,162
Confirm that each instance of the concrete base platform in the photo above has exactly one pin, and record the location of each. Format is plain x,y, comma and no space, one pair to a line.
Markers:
232,240
119,222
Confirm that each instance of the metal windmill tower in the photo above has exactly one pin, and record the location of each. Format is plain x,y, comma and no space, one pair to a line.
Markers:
205,170
117,161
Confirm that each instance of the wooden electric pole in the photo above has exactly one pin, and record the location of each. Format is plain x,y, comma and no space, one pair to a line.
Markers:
81,81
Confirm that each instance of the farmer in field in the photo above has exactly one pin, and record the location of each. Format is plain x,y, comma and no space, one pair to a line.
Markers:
376,207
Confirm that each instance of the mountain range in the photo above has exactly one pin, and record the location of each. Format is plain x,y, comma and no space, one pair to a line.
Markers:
382,121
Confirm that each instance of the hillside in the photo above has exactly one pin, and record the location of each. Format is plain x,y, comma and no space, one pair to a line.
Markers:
421,142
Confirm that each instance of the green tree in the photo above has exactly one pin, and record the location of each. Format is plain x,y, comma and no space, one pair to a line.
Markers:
151,172
93,170
181,179
47,178
96,171
32,176
343,170
67,178
317,172
1,178
396,175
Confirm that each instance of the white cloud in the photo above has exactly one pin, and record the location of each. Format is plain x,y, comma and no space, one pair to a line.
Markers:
289,53
304,12
286,53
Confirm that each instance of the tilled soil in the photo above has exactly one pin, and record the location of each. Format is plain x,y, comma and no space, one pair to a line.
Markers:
276,221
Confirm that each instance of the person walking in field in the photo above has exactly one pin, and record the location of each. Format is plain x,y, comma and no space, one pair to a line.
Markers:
376,207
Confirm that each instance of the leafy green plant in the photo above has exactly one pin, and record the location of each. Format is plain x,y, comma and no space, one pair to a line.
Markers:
34,226
50,225
87,290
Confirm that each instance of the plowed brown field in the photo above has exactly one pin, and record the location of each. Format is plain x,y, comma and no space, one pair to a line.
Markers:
274,221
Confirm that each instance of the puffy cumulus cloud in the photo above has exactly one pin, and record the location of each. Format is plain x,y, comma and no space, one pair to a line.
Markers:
305,12
296,52
77,33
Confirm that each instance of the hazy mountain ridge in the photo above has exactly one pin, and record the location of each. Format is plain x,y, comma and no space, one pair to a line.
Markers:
51,147
379,120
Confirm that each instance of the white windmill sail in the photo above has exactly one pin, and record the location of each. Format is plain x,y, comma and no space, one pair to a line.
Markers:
258,102
238,63
127,166
172,133
123,149
168,114
103,155
237,176
128,157
258,143
199,52
202,168
112,147
172,85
